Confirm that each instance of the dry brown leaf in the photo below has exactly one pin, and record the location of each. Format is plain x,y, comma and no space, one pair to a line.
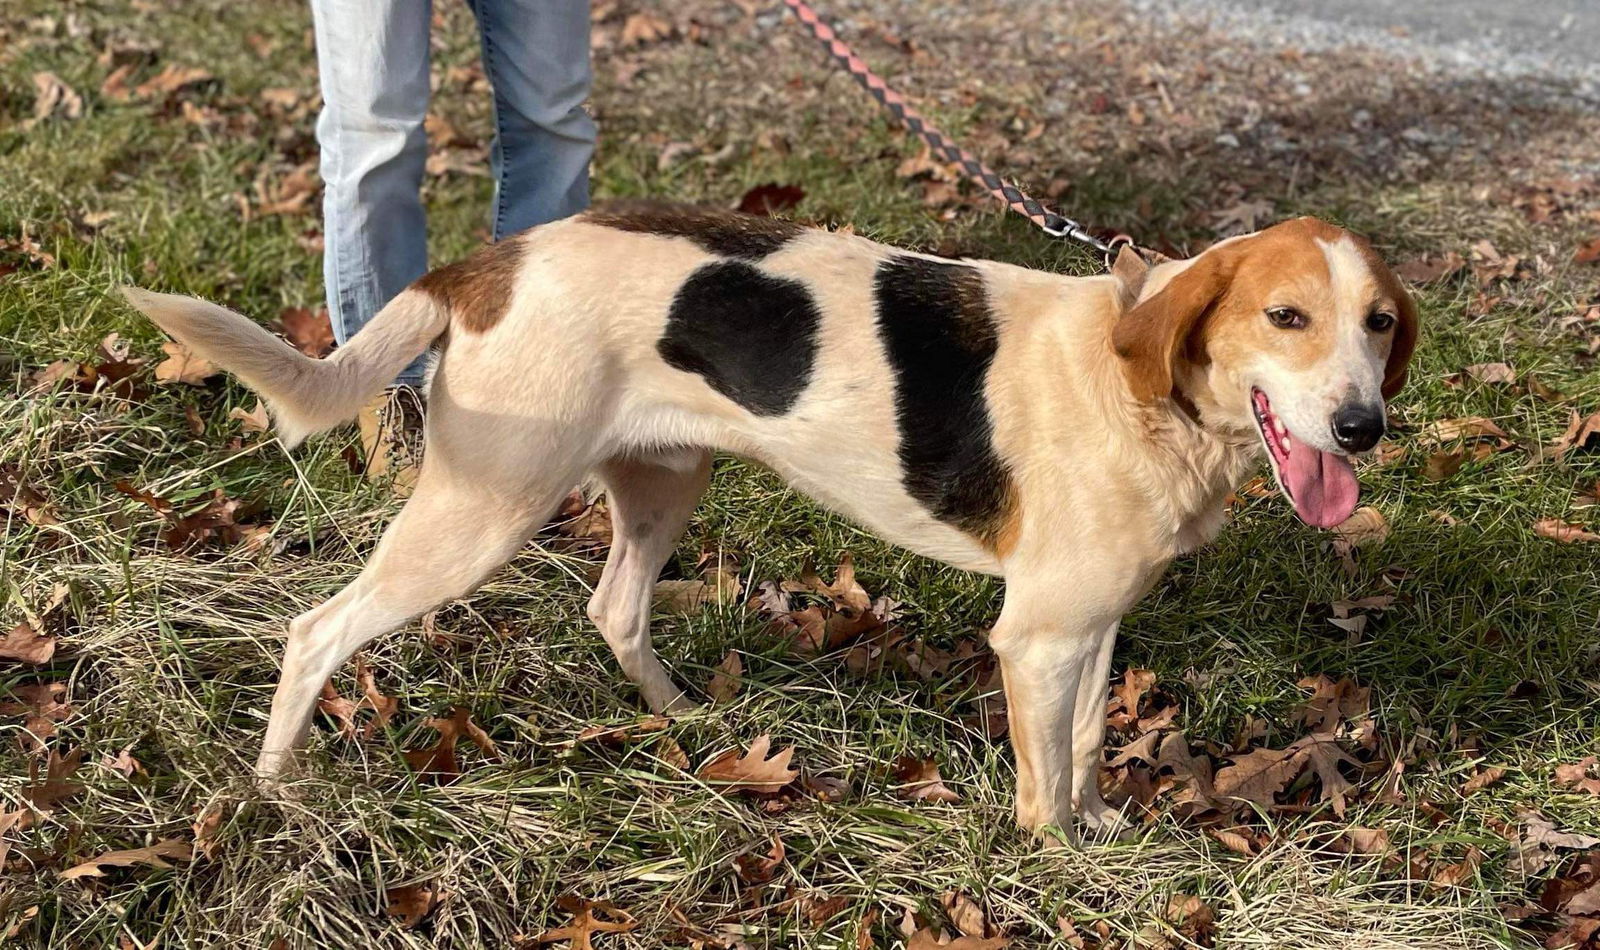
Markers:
410,903
1482,779
438,762
588,919
731,773
54,97
1364,840
1331,702
1580,431
1323,759
928,939
1492,373
618,736
41,705
1536,842
1441,465
643,28
1470,427
346,711
1582,775
1452,875
255,420
1366,526
1426,270
920,780
717,587
845,593
967,916
771,198
1194,918
156,856
1563,531
757,868
123,763
1257,776
183,366
310,332
22,498
221,518
27,645
1587,253
172,80
725,682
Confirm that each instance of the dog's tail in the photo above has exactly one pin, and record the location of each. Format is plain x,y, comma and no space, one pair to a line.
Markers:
304,395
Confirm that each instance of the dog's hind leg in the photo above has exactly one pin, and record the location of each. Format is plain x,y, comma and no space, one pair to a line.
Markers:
651,497
469,515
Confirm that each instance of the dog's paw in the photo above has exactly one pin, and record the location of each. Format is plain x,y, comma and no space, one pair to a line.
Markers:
1104,822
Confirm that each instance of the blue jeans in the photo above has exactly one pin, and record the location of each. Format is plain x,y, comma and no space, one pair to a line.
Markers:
373,59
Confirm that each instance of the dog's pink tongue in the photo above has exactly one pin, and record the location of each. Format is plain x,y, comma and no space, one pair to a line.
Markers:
1322,485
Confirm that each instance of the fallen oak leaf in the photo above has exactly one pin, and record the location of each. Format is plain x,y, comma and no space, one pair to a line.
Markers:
967,916
1470,427
755,869
732,772
771,198
410,903
643,28
928,939
1536,841
1482,779
1256,777
846,594
1563,531
1331,702
920,780
1426,270
41,705
1580,431
1582,775
27,645
22,498
618,736
156,856
1587,253
183,366
725,682
54,97
256,420
585,924
438,762
1452,875
310,332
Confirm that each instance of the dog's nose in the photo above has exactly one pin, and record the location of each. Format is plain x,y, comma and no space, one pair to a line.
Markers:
1357,428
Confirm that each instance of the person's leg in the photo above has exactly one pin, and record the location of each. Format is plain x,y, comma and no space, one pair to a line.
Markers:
372,56
536,55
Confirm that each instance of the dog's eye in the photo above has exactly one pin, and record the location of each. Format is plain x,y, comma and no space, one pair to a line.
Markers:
1380,322
1286,318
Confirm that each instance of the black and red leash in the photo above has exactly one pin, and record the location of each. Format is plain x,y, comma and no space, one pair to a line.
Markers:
1050,222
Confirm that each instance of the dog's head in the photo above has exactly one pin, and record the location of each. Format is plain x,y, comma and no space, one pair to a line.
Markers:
1298,332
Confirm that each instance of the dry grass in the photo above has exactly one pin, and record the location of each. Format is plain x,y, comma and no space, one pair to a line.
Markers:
175,657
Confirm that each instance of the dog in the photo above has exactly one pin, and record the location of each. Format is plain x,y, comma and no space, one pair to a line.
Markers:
1071,434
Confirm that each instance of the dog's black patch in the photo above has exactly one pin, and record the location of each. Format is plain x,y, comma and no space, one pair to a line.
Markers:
936,324
752,336
716,230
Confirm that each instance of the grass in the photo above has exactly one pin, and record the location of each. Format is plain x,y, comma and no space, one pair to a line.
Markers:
174,657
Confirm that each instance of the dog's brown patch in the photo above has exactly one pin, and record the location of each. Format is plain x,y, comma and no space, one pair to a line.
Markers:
476,289
716,230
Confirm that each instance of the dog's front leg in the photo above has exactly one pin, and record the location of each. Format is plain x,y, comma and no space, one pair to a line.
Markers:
1045,653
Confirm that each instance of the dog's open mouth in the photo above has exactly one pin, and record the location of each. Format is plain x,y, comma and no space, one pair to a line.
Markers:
1321,485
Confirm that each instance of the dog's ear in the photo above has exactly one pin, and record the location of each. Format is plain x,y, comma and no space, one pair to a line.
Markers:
1130,270
1405,342
1151,336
